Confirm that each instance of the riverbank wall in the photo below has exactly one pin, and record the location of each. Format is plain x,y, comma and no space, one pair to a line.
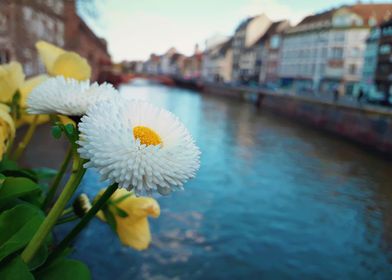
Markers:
368,126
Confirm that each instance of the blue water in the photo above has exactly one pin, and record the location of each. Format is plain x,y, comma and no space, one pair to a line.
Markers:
272,200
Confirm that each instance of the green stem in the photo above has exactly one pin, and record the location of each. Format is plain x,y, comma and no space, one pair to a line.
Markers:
67,211
53,188
26,139
83,222
47,225
67,219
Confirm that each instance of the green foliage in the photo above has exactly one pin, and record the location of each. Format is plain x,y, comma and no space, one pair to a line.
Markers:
120,212
13,187
57,131
15,269
20,218
45,173
109,218
64,269
17,227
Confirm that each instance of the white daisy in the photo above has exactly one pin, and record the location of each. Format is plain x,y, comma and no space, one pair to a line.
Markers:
138,145
66,96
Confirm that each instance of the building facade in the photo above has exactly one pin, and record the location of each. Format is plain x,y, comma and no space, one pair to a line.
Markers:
218,62
326,51
23,23
166,60
367,84
193,65
268,54
383,77
82,40
245,48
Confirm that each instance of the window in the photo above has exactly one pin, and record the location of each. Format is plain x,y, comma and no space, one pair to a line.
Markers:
339,36
3,22
355,52
385,49
352,70
275,42
337,53
4,56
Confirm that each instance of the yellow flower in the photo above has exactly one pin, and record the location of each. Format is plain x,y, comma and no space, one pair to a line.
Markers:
59,62
133,230
7,129
25,90
11,77
28,86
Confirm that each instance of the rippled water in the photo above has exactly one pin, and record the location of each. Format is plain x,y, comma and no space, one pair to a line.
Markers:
272,200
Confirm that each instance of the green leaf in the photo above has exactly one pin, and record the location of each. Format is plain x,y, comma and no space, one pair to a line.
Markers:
17,187
21,173
69,129
7,164
109,217
15,269
17,226
45,173
64,269
2,179
56,131
120,212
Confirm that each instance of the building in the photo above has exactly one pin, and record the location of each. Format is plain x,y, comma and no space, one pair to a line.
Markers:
245,48
383,77
218,62
192,65
22,24
367,84
81,39
268,55
152,65
326,51
166,61
176,67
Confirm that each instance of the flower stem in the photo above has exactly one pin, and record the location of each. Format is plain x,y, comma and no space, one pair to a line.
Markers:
26,139
47,225
53,188
83,222
67,219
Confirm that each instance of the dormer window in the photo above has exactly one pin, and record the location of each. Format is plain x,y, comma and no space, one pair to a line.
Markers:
372,21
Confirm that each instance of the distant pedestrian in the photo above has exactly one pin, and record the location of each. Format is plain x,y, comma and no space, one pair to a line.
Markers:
360,95
336,94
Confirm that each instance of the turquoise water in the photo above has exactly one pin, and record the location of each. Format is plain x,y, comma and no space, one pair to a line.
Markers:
272,200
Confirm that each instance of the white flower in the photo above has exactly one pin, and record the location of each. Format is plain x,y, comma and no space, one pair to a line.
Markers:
137,145
66,96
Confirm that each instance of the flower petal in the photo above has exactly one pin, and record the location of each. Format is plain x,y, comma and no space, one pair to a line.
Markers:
7,130
140,207
49,54
135,234
11,77
71,65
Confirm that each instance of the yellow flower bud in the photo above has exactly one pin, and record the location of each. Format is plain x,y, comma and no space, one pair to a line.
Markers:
59,62
133,230
11,77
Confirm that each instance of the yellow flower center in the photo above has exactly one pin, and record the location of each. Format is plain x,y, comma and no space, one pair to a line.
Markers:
146,135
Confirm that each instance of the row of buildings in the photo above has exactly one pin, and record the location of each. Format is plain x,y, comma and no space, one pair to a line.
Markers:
346,48
24,22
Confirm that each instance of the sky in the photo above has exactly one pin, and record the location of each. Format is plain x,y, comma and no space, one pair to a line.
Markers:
136,28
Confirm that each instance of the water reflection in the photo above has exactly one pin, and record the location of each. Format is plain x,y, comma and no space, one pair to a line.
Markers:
272,200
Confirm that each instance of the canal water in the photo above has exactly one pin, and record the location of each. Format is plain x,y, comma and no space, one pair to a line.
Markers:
272,200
